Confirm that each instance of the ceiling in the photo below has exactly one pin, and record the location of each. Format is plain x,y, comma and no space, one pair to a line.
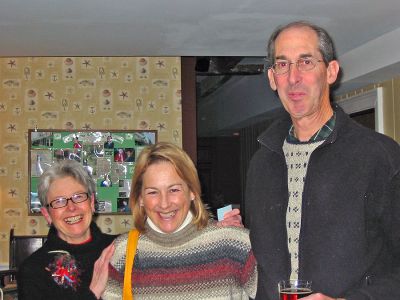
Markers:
366,32
180,27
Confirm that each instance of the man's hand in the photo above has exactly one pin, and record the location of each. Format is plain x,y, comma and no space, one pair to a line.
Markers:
319,296
100,271
231,218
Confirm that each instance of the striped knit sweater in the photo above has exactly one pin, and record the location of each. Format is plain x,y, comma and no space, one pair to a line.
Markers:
212,263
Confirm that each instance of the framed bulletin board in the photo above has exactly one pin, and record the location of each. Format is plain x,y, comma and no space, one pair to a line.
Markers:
109,156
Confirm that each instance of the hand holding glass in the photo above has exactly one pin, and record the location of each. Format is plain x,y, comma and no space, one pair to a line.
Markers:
294,289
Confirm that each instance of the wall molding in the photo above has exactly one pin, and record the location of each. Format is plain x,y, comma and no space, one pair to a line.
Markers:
371,99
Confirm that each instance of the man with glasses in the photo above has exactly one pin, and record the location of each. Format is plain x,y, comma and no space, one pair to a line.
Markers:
63,267
323,192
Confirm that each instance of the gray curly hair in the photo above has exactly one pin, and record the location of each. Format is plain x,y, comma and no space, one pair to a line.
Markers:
61,169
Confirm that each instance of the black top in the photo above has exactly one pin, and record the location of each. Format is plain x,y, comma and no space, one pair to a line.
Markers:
44,274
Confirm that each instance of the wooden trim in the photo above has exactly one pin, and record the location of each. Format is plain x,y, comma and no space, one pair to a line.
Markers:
189,126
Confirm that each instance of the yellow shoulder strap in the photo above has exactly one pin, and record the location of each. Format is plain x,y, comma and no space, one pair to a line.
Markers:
133,238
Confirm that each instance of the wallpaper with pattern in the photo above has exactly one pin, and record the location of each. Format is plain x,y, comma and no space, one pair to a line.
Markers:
77,93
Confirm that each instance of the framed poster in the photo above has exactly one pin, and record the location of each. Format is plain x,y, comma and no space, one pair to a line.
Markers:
108,156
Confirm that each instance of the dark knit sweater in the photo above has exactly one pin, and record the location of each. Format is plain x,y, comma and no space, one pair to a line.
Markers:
35,282
212,263
350,228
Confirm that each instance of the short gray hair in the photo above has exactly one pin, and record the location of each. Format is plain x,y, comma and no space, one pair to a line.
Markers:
62,169
326,45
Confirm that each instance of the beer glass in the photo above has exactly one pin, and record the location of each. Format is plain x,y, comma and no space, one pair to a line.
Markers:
294,289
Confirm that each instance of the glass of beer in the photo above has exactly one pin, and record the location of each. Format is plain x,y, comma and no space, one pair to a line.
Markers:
294,289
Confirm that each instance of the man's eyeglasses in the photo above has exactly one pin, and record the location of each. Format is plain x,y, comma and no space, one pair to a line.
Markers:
63,201
302,64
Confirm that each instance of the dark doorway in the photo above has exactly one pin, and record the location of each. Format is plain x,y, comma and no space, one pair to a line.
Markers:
365,118
218,164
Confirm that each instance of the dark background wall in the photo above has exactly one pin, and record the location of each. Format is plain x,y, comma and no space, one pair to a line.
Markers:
218,164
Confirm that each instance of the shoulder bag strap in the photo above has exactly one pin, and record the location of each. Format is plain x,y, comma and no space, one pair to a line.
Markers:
133,238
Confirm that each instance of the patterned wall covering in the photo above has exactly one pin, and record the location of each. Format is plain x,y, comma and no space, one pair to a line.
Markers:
77,93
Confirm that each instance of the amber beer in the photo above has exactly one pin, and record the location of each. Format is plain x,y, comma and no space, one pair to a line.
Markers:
294,293
294,289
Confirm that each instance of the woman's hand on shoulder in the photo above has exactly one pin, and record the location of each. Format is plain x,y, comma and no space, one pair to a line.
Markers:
100,271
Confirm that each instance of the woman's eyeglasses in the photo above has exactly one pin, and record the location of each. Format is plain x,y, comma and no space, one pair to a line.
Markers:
63,201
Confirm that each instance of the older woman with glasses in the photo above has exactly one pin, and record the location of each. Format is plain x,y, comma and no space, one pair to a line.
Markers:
63,267
181,253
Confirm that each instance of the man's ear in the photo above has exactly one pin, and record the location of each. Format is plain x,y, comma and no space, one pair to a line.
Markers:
46,215
271,79
332,71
